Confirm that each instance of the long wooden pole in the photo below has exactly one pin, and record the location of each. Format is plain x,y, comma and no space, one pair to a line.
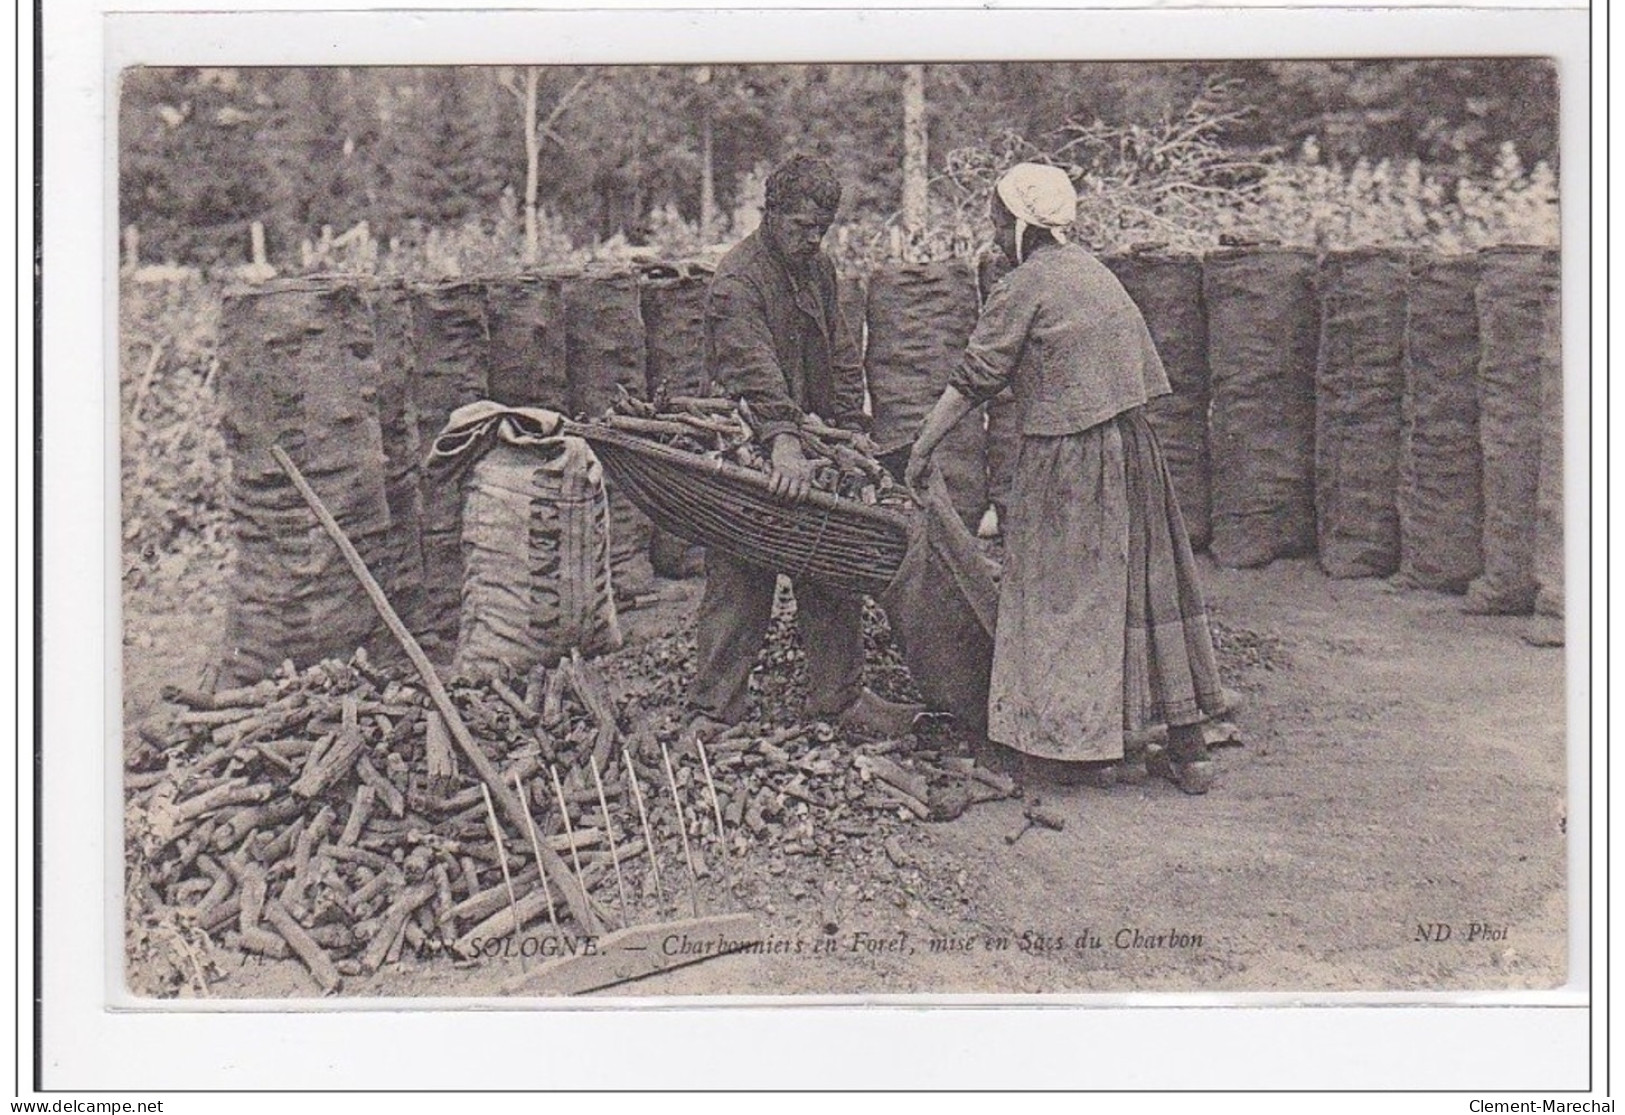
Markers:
564,813
574,897
716,809
682,831
609,834
507,878
536,848
643,817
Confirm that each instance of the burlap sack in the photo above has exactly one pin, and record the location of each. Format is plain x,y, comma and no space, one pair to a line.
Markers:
1168,290
672,301
1546,629
1517,298
1359,384
673,304
1003,420
919,317
536,551
1441,490
1262,321
605,339
452,338
401,571
525,320
298,370
943,607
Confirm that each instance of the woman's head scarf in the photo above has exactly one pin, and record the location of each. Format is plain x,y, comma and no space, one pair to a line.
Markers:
1038,195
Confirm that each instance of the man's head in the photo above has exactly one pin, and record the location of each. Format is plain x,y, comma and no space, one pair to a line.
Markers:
802,197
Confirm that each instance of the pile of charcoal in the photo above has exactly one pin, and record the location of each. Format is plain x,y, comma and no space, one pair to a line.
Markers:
328,813
724,429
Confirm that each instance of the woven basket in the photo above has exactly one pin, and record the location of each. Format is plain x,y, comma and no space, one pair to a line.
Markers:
841,544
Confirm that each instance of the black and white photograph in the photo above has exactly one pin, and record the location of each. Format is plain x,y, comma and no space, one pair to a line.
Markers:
973,528
813,550
741,530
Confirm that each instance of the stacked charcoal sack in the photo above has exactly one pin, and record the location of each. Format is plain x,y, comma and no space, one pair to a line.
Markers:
673,304
528,359
298,369
919,317
1262,322
1517,299
451,331
1546,628
1441,496
536,542
401,563
605,343
1359,383
852,302
1168,290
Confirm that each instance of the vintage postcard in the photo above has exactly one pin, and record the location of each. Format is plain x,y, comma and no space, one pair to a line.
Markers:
680,526
1227,661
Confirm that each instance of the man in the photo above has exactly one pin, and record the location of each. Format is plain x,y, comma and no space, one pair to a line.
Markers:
775,338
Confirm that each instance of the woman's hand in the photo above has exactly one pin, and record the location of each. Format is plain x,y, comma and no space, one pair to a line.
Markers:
944,416
791,478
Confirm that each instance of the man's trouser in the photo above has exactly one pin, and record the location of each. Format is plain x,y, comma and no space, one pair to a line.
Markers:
734,616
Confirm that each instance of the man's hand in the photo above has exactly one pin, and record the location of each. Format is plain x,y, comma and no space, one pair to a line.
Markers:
791,478
857,439
919,464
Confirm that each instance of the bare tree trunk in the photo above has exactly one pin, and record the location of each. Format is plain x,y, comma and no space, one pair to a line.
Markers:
915,152
703,77
537,130
533,155
256,244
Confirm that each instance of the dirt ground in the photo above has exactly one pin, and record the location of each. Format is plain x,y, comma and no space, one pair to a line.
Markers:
1403,767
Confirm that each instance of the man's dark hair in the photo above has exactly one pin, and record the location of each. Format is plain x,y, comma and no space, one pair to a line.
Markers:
803,178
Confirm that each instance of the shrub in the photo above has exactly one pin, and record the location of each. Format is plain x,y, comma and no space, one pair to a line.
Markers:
171,450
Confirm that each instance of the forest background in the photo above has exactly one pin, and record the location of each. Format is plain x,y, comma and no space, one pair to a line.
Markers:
479,169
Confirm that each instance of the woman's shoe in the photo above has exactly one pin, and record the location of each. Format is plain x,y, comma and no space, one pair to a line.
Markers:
1194,775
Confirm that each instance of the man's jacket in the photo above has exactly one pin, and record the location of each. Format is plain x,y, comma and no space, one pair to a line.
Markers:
778,340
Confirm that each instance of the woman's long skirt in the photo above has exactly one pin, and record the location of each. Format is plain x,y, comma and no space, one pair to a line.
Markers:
1102,629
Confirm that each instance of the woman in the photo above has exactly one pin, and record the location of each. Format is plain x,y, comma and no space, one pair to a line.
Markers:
1102,632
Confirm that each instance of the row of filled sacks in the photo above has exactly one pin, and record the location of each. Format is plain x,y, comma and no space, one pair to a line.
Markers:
1390,413
354,379
1380,410
300,368
1393,414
